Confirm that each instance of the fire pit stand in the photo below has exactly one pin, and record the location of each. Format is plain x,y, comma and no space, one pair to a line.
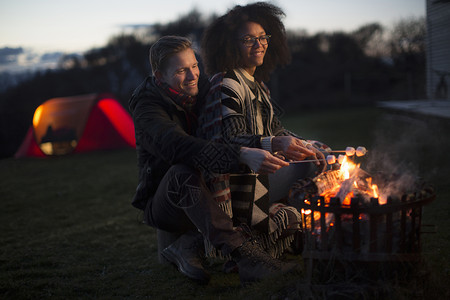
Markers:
363,231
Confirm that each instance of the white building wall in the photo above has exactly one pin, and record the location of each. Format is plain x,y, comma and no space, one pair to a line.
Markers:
438,49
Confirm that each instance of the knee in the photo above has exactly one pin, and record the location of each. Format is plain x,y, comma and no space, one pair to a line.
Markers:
185,186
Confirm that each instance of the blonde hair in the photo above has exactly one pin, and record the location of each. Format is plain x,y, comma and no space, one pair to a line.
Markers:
164,48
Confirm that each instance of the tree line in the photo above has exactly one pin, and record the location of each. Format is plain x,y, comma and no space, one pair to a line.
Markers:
327,70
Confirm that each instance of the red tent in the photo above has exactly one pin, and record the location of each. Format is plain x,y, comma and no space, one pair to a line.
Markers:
78,124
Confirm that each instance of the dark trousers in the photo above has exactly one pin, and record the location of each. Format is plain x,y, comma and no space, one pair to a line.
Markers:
182,202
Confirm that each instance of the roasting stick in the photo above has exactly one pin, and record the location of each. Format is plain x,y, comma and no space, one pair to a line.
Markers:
331,159
349,151
305,161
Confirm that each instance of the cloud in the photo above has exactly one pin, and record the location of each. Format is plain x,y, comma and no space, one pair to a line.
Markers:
9,55
18,64
17,60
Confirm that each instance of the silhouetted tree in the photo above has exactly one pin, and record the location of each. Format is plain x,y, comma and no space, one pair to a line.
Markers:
407,50
366,34
190,25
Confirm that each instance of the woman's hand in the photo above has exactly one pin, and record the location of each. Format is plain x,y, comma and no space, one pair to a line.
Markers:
261,161
296,149
293,148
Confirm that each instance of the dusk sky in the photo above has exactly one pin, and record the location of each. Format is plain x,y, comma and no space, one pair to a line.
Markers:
71,26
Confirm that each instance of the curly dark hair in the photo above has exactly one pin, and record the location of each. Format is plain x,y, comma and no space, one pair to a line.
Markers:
220,50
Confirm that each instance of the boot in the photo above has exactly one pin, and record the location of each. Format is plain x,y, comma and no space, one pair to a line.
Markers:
186,253
255,264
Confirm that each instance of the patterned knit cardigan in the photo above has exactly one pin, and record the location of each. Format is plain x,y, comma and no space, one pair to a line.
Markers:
267,222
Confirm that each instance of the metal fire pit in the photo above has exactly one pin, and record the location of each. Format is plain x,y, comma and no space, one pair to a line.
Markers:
363,231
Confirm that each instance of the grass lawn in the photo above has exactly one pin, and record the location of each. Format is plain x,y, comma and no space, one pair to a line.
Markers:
68,230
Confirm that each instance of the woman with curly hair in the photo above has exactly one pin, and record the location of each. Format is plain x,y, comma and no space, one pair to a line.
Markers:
240,49
221,47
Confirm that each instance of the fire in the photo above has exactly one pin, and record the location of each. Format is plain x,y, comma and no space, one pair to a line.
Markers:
347,167
375,190
306,211
346,183
350,186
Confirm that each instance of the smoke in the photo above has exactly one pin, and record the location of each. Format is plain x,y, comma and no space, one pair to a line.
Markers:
405,151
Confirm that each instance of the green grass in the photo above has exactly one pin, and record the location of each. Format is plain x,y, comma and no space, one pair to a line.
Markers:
68,230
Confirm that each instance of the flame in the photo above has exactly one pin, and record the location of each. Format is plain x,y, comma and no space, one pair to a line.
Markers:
348,199
347,169
375,190
350,182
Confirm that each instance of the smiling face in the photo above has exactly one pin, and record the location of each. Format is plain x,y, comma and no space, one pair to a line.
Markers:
181,72
253,56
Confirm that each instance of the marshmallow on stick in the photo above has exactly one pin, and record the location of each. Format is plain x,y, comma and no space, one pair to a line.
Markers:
349,151
361,151
331,159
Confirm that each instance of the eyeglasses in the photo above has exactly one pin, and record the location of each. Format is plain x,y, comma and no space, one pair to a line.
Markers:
250,41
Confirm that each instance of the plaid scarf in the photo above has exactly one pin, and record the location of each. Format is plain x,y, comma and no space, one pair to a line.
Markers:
185,101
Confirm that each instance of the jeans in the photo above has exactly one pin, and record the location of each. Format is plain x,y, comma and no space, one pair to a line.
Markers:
182,202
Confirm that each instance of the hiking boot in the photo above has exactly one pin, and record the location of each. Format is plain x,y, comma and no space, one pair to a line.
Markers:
186,254
255,264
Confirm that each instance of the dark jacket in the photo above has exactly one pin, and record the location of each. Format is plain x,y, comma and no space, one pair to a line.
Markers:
164,137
